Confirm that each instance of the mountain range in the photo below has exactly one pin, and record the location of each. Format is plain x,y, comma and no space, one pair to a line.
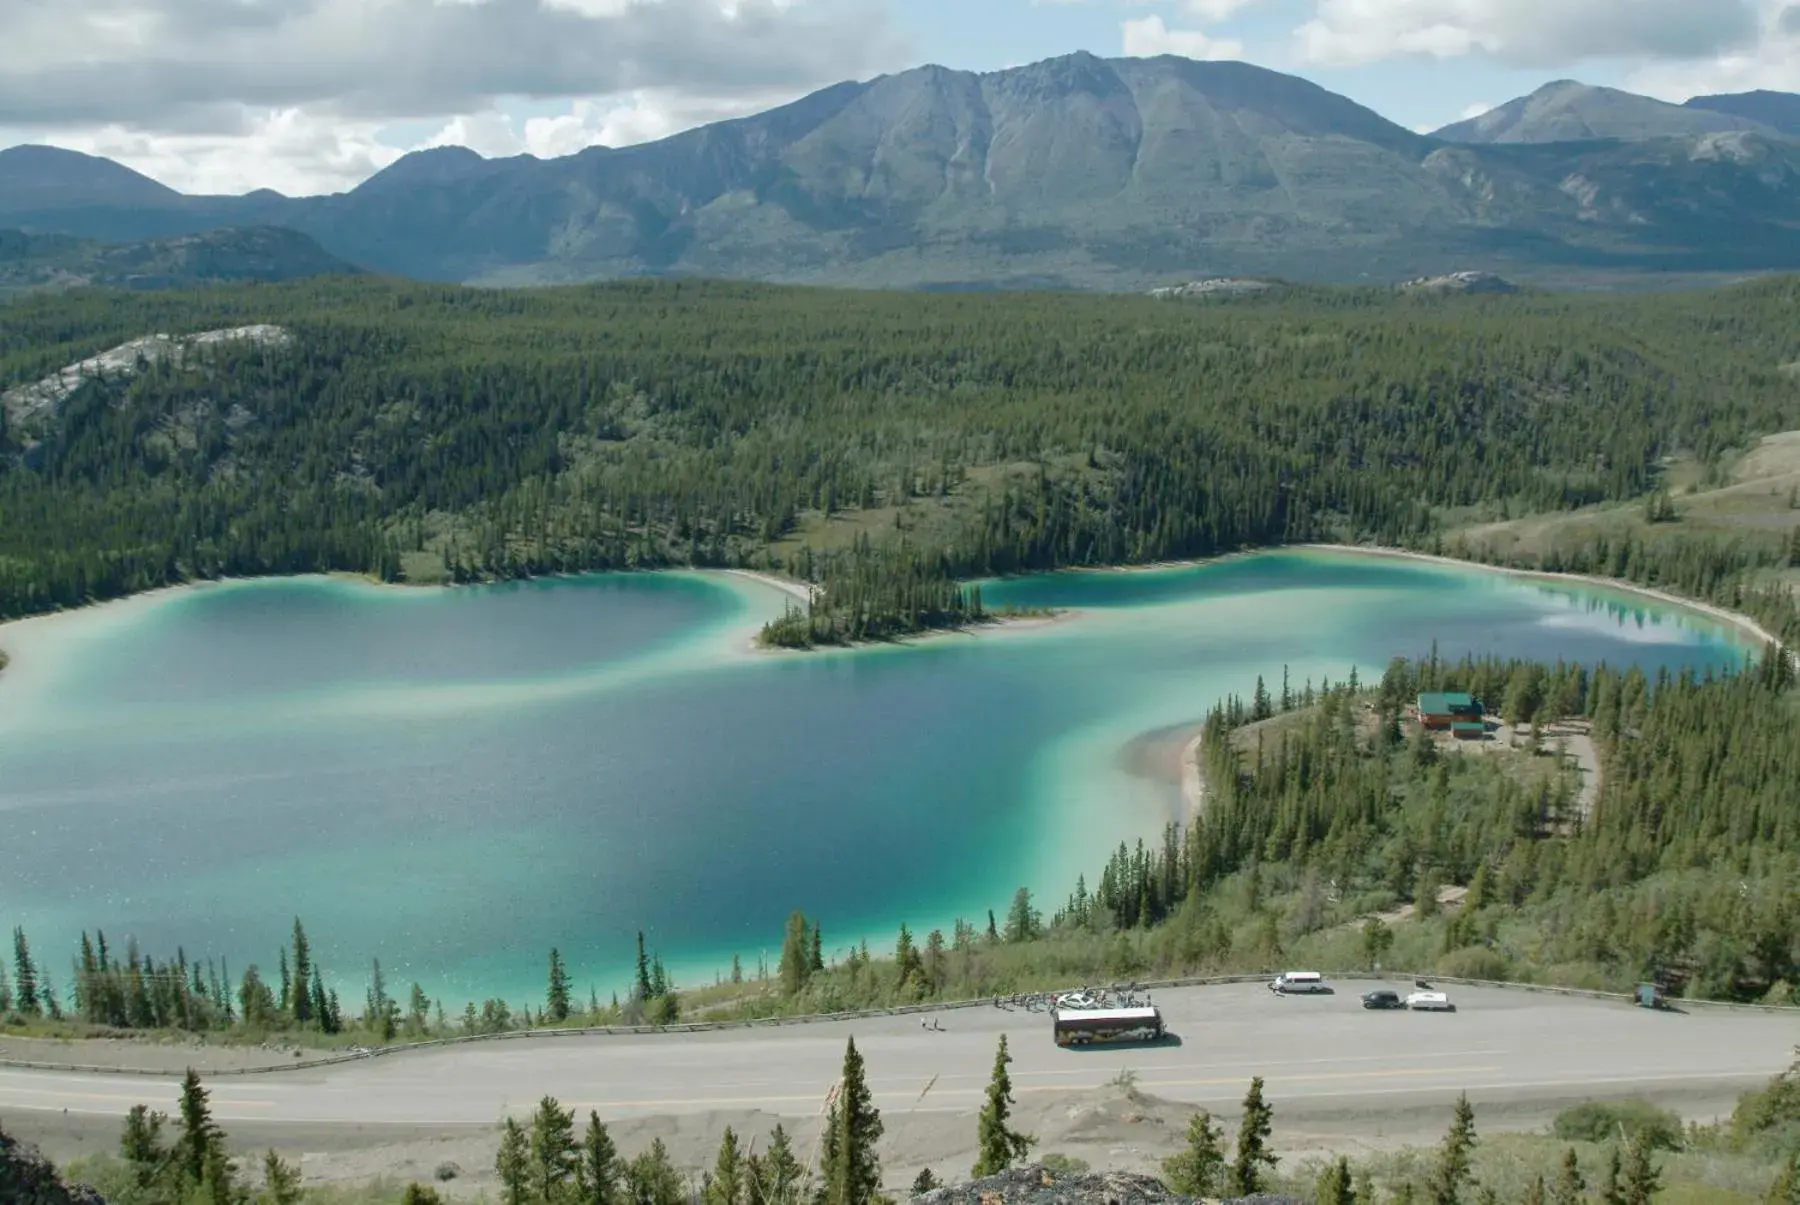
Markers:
1567,111
227,254
1072,172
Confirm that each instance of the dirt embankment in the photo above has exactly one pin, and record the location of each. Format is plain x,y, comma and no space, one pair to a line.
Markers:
145,1055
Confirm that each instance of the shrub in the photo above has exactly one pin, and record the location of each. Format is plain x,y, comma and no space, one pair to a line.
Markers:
1476,962
1769,1118
1603,1121
1058,1164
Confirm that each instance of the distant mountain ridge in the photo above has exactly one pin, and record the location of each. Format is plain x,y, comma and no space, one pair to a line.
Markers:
1776,110
1075,171
1567,111
264,253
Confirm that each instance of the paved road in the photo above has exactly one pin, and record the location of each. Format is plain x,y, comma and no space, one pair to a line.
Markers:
1318,1053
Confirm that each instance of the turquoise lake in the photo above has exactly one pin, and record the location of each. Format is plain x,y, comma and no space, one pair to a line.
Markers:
455,781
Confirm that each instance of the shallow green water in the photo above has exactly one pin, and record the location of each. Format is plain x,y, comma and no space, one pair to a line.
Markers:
455,781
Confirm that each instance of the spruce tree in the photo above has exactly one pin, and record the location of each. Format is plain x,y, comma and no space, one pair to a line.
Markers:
643,971
726,1185
1021,919
1643,1179
140,1146
777,1176
554,1153
201,1139
1197,1170
1455,1157
1536,1193
908,966
1253,1153
796,955
1612,1189
382,1011
1335,1185
818,951
281,1181
651,1178
556,999
25,976
851,1167
319,1007
87,982
513,1163
305,1003
218,1183
52,1006
597,1174
1569,1187
926,1181
999,1145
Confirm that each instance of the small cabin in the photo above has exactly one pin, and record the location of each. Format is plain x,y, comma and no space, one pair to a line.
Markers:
1442,711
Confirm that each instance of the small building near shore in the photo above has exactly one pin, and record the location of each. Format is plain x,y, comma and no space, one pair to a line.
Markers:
1441,710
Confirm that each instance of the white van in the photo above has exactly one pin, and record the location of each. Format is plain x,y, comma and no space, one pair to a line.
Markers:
1298,981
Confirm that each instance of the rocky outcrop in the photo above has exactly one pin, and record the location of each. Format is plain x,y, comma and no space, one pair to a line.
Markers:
1038,1185
1223,286
27,1178
1460,282
26,401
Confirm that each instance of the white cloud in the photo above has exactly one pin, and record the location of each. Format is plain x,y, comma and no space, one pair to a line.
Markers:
1215,10
157,63
1474,110
615,121
1533,33
1145,37
228,95
1773,63
289,150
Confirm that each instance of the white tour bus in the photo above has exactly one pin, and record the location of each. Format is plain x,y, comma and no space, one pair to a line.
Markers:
1080,1026
1298,981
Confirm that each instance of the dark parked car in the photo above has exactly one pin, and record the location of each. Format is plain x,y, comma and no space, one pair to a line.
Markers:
1383,1000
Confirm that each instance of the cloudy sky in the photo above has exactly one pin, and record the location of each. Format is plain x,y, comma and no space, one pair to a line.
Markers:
308,96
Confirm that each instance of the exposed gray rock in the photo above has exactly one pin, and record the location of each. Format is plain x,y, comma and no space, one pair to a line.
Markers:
26,401
27,1178
1223,286
1460,282
1037,1185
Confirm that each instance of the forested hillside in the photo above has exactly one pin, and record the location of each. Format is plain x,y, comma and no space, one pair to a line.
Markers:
882,444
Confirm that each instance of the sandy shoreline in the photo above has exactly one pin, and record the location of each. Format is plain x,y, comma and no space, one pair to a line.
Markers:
800,591
18,635
1735,619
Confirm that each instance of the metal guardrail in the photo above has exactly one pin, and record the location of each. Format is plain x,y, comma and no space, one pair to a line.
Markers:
855,1015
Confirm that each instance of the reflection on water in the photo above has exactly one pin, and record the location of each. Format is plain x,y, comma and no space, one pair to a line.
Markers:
457,780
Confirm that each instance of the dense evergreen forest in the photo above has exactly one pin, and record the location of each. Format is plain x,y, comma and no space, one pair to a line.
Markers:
881,444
